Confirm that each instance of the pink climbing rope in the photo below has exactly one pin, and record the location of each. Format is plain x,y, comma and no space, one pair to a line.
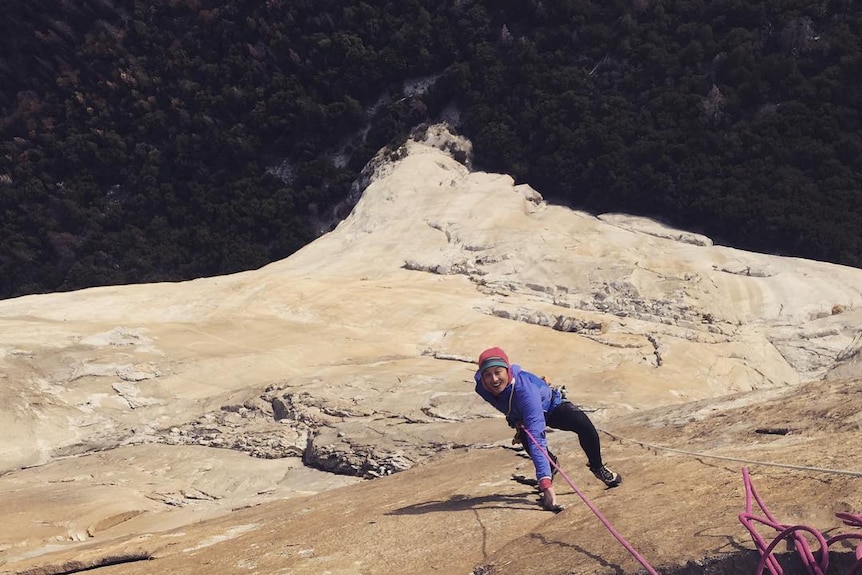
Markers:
593,508
815,563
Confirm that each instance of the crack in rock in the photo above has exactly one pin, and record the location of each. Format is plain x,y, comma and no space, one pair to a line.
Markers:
656,347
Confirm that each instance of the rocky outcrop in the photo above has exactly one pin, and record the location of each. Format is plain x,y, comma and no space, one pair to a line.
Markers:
246,429
353,358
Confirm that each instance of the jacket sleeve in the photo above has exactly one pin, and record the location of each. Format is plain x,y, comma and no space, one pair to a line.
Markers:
529,402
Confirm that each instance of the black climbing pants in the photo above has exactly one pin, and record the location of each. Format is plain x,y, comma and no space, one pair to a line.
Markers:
567,417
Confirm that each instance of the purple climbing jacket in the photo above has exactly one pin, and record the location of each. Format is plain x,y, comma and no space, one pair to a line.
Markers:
527,401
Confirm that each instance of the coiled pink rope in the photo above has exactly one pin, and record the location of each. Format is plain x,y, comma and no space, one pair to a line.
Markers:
592,507
815,563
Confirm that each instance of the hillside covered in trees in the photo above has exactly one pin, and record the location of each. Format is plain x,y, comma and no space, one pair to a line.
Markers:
172,139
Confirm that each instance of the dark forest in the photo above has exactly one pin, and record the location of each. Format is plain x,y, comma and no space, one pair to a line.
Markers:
174,139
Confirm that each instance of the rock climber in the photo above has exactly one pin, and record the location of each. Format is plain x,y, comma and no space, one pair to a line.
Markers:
530,403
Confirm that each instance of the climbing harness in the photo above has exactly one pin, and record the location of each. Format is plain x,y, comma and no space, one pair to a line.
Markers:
592,507
815,563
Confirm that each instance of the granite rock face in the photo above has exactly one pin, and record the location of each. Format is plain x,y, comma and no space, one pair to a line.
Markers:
353,358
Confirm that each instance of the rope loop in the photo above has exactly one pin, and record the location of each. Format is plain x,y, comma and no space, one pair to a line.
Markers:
816,563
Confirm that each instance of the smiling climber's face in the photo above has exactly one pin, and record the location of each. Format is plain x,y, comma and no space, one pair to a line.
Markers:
495,379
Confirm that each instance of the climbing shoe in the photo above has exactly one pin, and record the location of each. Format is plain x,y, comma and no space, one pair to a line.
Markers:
553,508
606,476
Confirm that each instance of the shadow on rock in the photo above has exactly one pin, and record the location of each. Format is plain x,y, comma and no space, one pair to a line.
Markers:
465,503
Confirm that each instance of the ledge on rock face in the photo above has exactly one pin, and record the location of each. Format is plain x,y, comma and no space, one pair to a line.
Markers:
654,228
848,363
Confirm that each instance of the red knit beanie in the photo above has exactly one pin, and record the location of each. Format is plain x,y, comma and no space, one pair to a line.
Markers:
493,357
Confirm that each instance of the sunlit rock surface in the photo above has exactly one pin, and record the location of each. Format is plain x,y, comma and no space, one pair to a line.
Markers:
133,414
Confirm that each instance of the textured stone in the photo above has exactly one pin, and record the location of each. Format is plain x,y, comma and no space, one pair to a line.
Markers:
164,404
